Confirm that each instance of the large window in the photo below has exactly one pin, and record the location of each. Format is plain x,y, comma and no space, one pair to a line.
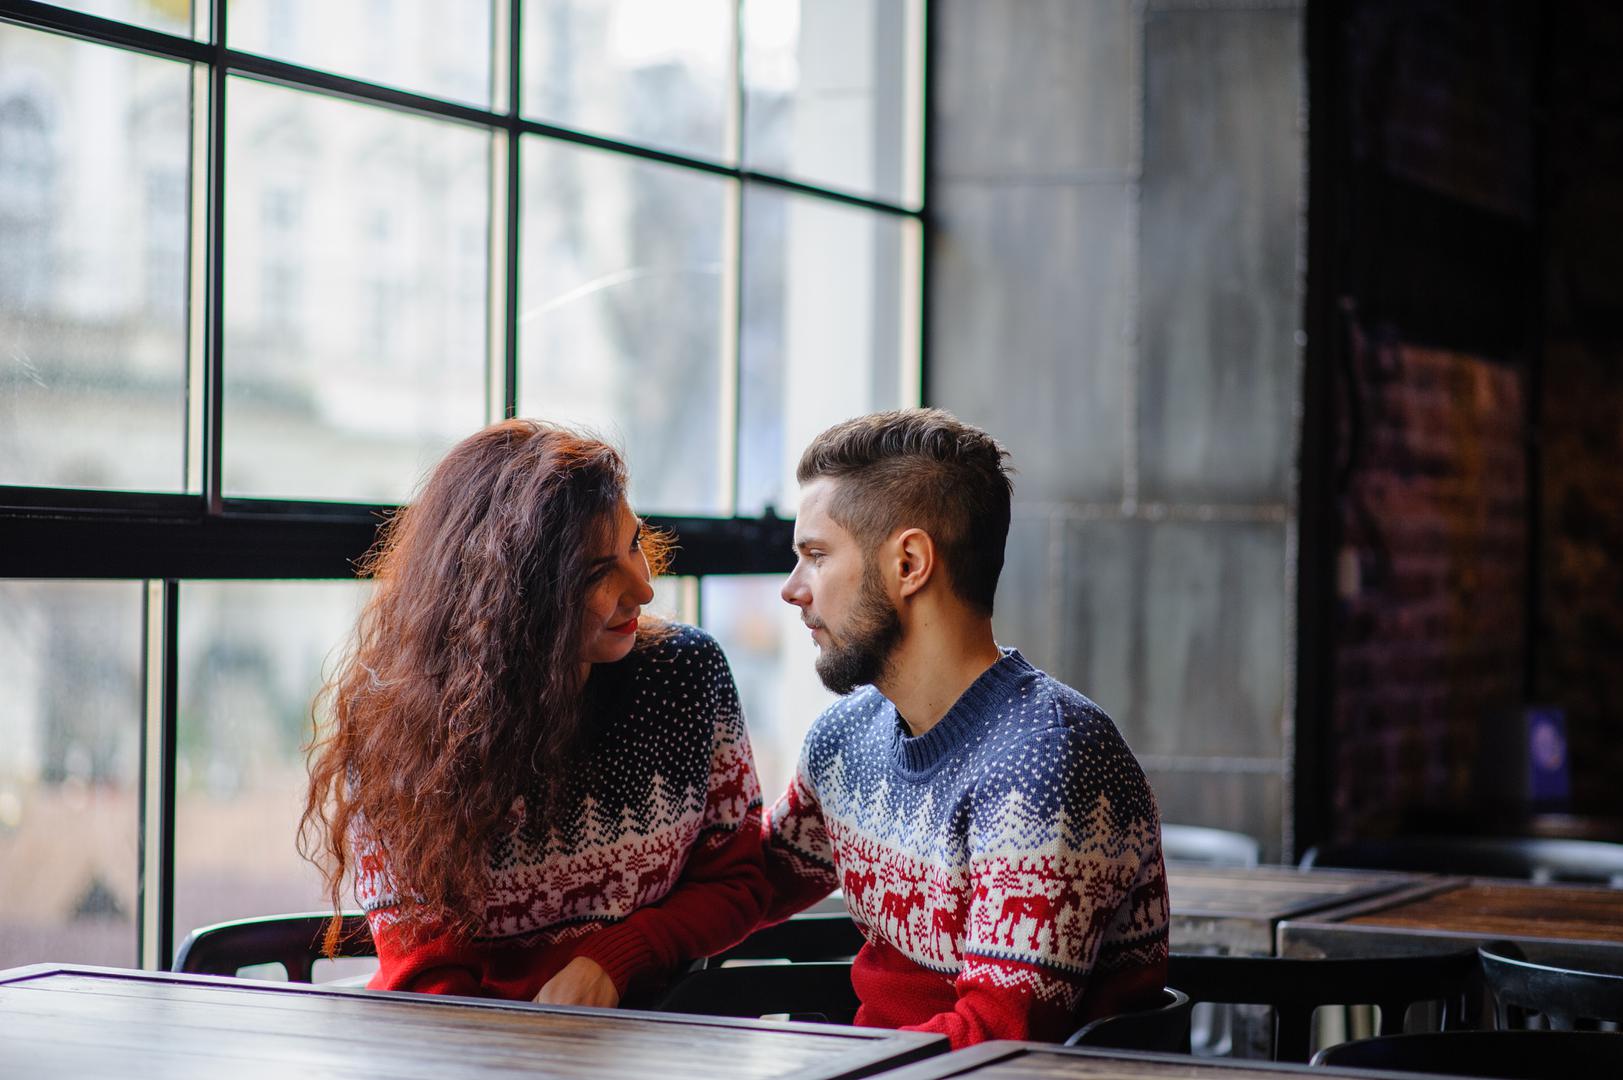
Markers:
262,262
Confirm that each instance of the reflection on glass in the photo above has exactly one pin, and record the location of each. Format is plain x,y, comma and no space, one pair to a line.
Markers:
414,45
825,335
170,16
832,95
93,175
70,800
621,314
252,656
357,267
648,71
771,654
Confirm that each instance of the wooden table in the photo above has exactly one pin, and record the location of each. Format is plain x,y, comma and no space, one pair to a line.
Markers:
1041,1061
1237,911
77,1021
1577,920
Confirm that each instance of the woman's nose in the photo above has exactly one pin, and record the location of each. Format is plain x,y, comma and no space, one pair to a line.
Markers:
642,589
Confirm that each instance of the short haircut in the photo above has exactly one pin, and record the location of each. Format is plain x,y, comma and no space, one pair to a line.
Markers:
926,469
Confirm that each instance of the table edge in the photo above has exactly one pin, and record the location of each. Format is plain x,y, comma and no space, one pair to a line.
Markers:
912,1040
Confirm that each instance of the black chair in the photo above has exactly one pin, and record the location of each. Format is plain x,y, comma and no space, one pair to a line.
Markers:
811,935
1527,857
816,991
1567,993
1504,1055
1295,988
293,941
1163,1027
1210,847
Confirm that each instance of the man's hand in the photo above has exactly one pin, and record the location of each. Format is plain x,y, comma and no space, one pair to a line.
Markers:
581,982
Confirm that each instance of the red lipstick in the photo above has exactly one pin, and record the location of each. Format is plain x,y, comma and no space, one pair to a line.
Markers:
627,628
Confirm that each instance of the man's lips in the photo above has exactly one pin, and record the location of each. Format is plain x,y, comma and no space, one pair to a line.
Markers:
627,628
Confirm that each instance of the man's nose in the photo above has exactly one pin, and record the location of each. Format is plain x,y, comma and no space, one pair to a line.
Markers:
793,591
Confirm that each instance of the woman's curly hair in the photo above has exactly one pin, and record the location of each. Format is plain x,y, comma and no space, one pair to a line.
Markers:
460,690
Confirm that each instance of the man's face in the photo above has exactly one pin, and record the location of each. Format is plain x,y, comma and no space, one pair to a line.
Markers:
841,596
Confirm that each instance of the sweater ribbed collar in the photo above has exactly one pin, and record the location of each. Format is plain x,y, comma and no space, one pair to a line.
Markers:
918,758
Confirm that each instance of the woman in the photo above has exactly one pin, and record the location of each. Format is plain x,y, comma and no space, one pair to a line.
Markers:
538,792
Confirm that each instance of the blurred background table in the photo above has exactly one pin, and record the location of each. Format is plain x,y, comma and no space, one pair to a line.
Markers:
69,1021
1238,910
1579,919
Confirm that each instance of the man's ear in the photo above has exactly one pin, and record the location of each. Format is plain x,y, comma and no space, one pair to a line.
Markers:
915,560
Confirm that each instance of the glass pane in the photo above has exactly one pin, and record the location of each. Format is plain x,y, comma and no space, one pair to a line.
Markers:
825,331
70,771
251,660
675,598
411,44
357,269
623,299
170,16
646,71
93,208
832,93
771,655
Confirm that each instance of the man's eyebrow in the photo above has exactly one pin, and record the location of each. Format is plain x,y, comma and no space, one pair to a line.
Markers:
805,542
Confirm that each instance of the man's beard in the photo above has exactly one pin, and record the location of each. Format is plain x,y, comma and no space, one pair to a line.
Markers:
867,640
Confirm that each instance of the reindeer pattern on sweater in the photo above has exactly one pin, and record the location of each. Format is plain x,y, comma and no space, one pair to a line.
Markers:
1014,847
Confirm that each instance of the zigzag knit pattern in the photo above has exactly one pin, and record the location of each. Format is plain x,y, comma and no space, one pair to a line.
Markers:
666,789
1013,849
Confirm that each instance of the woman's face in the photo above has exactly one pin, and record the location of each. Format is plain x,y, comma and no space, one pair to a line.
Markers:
616,589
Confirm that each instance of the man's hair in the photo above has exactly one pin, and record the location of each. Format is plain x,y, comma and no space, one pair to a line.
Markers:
926,469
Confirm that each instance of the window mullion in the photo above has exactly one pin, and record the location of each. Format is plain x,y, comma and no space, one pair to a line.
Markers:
160,722
213,393
514,136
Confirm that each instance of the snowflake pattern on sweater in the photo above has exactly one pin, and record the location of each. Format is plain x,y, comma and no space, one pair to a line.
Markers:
1012,850
666,793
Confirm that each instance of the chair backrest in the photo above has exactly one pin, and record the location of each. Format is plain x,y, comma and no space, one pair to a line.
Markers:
1295,988
816,991
1532,858
1163,1027
294,941
808,936
1563,990
1213,847
1504,1055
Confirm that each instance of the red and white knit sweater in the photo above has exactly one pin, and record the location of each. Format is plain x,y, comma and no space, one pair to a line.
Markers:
658,861
1005,866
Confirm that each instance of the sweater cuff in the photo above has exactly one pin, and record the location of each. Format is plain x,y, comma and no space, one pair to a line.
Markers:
622,952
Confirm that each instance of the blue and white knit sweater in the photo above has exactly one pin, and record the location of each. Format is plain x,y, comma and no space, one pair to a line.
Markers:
1005,865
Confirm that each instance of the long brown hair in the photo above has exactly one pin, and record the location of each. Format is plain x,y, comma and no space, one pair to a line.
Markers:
460,690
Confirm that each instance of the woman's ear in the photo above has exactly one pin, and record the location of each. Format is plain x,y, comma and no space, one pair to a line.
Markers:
915,560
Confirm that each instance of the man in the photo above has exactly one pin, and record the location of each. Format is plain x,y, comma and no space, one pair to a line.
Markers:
995,838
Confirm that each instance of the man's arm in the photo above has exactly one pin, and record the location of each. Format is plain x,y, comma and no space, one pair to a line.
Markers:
799,858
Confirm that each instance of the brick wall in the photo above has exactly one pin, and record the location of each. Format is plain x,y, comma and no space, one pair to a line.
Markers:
1429,635
1580,643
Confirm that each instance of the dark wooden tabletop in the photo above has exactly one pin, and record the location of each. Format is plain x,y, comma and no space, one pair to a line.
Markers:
73,1021
1037,1061
1236,910
1460,911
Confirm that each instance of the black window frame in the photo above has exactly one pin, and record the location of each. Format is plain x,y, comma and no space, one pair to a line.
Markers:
163,539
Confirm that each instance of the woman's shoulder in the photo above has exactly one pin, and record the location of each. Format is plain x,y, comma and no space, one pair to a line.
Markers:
686,648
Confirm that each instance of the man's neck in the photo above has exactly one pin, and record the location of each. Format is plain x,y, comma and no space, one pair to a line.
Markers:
932,667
